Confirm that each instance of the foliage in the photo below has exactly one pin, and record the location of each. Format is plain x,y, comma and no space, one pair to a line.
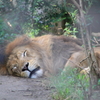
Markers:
39,15
51,12
74,29
69,29
70,85
4,35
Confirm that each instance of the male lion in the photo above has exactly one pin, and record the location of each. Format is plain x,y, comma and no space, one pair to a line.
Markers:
40,56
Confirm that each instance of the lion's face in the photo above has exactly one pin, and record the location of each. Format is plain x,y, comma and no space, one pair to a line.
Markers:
22,62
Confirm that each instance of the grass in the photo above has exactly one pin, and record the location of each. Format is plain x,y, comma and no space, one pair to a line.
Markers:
70,86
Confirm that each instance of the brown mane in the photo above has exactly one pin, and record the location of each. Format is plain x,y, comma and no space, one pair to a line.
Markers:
19,41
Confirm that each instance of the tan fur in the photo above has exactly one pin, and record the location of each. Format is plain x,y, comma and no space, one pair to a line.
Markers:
79,60
3,70
48,51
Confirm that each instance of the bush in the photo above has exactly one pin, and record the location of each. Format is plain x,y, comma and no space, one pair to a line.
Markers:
70,86
4,35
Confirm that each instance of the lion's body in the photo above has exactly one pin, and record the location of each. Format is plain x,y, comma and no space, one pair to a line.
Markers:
49,53
79,60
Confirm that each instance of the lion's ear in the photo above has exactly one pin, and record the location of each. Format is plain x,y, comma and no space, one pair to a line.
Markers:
24,54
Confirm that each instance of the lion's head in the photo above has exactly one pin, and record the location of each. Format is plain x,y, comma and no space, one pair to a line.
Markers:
26,58
25,62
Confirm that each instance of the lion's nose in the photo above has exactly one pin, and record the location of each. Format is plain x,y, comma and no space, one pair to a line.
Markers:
25,67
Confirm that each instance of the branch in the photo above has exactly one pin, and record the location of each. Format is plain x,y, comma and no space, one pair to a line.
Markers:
76,4
84,59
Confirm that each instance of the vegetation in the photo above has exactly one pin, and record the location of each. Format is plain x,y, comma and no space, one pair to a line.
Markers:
38,17
5,36
70,86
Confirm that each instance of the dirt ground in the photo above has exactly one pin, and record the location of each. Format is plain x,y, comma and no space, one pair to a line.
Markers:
16,88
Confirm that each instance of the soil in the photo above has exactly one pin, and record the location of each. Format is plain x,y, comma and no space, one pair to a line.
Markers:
17,88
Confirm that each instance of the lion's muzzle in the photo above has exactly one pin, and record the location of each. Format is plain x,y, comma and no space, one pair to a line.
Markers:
33,72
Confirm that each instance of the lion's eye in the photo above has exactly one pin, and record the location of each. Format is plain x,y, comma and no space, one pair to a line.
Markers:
24,54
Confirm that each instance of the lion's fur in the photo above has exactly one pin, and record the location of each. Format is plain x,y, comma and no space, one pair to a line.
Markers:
50,52
79,59
3,59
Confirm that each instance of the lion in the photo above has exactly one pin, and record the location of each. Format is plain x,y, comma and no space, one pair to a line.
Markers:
40,56
79,60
